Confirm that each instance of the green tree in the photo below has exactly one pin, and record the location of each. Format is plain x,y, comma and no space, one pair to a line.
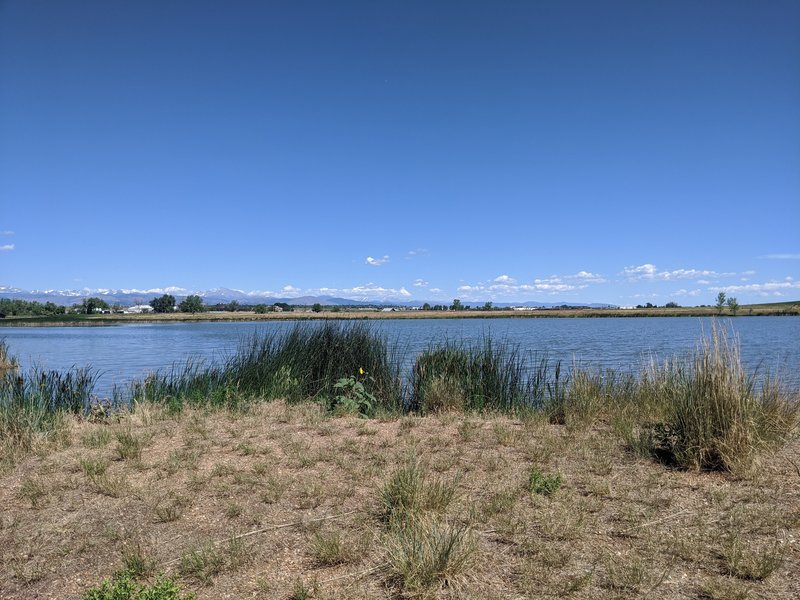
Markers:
426,306
487,306
720,302
89,305
317,307
733,304
260,309
191,304
456,305
163,304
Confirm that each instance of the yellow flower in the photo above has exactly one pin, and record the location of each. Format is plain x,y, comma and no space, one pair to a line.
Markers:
360,370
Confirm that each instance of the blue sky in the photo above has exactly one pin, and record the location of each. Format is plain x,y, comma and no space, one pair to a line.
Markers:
618,152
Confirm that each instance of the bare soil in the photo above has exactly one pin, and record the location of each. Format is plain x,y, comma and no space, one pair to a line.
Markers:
283,499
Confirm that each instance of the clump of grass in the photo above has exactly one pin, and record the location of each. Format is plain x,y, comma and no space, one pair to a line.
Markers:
129,445
208,561
715,416
546,485
425,553
137,561
93,467
751,562
96,438
34,491
202,563
410,491
330,548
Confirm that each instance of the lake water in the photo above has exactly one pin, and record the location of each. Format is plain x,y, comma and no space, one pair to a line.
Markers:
124,352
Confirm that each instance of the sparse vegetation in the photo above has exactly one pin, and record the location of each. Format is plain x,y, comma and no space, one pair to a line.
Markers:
475,485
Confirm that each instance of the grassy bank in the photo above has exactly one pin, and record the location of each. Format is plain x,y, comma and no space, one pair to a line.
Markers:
309,466
301,314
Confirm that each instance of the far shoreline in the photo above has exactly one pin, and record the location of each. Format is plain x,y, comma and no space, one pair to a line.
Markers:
781,309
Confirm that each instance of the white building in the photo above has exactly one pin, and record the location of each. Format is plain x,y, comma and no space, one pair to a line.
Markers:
138,309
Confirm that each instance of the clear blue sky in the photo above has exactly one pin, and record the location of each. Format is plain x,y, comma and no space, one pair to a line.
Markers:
615,152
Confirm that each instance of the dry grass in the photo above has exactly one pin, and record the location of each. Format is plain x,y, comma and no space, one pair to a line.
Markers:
281,502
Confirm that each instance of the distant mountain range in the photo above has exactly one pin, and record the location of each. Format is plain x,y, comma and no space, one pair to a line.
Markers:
129,297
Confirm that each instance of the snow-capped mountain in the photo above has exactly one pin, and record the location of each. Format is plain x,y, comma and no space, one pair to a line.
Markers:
131,296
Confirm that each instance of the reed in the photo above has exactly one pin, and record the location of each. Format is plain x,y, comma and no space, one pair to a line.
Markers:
33,404
305,362
486,376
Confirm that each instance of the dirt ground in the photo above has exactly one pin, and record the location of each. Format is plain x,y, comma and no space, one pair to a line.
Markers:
285,502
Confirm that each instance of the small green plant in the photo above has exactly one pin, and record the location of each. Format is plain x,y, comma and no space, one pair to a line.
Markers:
123,587
546,485
353,396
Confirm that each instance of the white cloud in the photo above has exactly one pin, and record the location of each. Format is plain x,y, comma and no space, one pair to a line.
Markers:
435,290
506,287
6,232
645,271
504,279
420,283
684,292
290,289
7,248
769,287
370,291
416,252
588,277
649,271
377,262
781,256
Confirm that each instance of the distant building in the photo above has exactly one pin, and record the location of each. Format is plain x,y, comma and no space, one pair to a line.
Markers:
138,309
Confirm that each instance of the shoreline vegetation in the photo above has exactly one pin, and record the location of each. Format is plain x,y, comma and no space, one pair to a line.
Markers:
301,313
310,466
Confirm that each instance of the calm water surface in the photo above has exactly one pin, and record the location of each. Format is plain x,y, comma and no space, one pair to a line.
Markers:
124,352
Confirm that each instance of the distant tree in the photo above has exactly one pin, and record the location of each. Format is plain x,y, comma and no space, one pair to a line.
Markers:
733,304
317,307
233,306
89,305
261,308
284,306
191,304
720,302
336,308
163,304
426,306
456,305
487,306
672,305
